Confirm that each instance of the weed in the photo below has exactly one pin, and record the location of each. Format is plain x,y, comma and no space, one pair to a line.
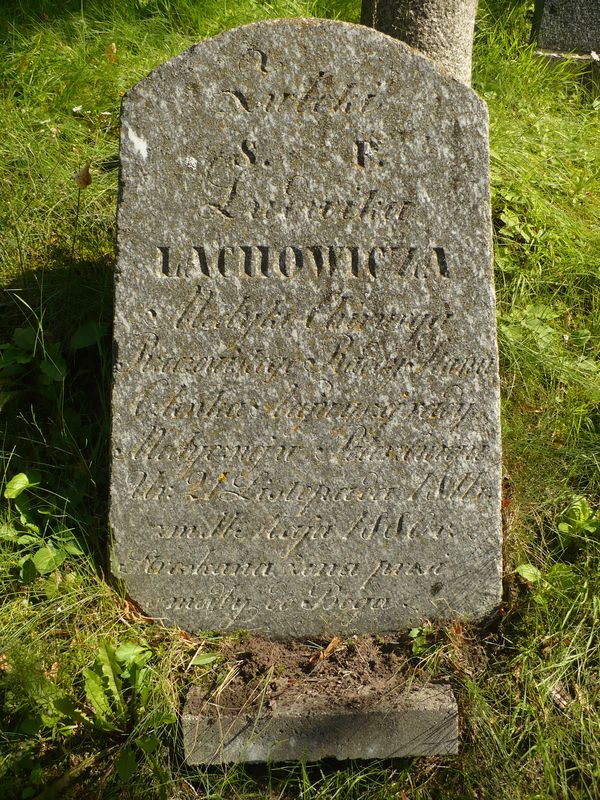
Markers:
87,685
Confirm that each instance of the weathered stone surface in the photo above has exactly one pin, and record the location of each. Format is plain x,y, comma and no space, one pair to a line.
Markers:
567,25
421,722
305,407
441,29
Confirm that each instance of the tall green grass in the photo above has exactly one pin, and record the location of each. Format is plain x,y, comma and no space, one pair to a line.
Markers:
528,685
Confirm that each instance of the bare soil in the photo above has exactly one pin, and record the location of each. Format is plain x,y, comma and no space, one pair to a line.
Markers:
346,673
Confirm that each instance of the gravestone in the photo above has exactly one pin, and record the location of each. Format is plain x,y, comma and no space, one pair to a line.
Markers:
305,430
567,26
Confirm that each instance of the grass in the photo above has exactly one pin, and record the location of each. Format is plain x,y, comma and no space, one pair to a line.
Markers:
528,685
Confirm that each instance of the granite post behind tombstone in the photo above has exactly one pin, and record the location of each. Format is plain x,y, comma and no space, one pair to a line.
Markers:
441,30
305,407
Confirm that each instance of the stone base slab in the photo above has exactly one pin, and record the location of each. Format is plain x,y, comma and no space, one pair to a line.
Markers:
419,722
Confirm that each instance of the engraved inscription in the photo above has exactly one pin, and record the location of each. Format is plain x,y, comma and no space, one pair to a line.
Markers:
305,404
294,533
157,565
200,313
152,358
462,487
240,193
327,600
451,410
159,445
316,261
321,92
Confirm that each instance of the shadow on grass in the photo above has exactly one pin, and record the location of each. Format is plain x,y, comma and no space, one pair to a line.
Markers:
55,375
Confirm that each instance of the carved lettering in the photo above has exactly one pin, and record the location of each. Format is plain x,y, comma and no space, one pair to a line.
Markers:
332,599
365,151
463,488
320,93
316,261
305,436
157,565
193,450
466,487
390,527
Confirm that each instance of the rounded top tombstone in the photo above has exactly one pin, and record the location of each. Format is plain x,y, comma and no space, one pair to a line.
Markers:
305,404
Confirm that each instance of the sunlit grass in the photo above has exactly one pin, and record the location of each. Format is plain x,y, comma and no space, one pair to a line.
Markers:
528,686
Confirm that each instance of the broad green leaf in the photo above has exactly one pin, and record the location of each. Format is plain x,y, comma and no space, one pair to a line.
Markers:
48,558
141,682
26,508
25,338
30,725
159,719
148,743
11,356
581,338
202,659
111,671
69,543
17,485
126,764
24,517
54,368
97,698
32,527
13,359
28,572
564,527
564,578
47,690
579,510
28,538
138,677
529,573
51,587
71,547
87,335
129,651
66,707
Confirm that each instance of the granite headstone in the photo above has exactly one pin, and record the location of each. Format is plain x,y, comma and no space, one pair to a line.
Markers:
305,432
567,26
